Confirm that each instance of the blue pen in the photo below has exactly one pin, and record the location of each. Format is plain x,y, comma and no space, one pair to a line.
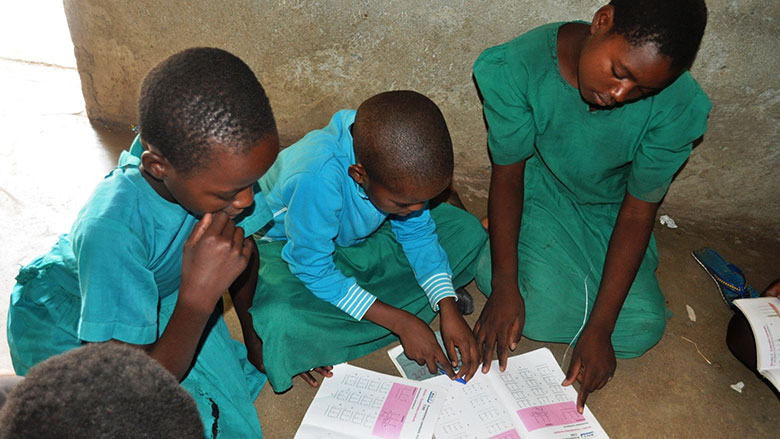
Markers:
460,380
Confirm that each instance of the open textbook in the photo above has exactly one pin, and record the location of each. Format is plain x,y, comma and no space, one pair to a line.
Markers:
763,314
357,403
526,401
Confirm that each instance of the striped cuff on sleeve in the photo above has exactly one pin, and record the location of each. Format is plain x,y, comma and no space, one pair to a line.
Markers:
356,302
438,287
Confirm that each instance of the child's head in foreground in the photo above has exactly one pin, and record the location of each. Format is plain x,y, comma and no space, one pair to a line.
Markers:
403,151
638,47
103,390
207,129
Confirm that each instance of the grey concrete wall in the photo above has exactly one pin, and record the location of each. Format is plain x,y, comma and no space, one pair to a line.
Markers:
315,57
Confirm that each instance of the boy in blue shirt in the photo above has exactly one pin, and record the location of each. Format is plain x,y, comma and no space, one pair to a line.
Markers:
352,228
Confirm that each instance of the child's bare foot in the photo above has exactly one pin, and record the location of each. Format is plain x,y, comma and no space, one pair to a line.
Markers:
484,222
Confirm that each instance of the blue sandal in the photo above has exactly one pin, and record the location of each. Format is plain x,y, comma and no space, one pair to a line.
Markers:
729,278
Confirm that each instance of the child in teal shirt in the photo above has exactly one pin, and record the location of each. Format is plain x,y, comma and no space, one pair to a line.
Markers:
163,237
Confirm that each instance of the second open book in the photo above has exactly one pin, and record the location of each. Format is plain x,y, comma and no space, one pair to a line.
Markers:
763,314
525,401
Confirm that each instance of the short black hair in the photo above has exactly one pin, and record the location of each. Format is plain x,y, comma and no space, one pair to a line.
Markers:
198,98
402,141
100,390
676,27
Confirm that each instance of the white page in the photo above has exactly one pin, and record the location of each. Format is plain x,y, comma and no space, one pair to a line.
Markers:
773,375
525,401
359,403
763,313
532,386
473,411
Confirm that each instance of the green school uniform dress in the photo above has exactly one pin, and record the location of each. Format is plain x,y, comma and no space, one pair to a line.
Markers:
116,276
579,165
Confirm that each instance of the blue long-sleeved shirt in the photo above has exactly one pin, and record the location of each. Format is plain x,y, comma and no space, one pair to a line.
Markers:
317,206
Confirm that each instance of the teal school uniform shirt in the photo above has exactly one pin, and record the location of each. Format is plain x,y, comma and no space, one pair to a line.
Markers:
128,242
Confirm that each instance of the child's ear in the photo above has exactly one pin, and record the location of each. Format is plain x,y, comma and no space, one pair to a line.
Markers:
603,19
357,172
155,164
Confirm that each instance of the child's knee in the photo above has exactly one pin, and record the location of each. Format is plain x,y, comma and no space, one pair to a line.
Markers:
474,232
640,337
454,223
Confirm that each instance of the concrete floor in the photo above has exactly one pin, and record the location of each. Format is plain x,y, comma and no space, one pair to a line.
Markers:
671,391
52,157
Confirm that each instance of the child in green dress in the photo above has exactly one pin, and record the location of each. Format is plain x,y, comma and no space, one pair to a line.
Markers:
162,238
587,125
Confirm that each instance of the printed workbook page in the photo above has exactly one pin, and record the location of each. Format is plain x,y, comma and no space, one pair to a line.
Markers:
359,403
526,401
763,313
473,410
